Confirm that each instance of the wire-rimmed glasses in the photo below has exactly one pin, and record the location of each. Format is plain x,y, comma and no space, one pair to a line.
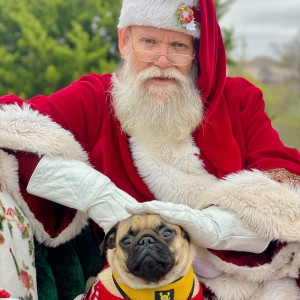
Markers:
174,59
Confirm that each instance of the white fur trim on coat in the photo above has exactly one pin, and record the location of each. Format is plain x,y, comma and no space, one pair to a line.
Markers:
172,171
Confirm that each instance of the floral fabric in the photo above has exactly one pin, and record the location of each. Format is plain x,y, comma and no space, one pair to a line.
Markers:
17,260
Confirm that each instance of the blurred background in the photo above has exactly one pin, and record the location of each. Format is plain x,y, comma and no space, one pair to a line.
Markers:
46,44
264,47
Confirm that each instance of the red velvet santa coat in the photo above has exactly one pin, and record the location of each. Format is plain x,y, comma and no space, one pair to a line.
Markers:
241,137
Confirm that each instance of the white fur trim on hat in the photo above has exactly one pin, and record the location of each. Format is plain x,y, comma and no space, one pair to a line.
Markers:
156,13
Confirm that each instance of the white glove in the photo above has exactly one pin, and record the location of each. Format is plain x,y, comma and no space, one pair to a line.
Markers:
211,227
75,184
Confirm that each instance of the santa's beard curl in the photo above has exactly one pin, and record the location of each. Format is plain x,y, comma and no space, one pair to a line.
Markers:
156,113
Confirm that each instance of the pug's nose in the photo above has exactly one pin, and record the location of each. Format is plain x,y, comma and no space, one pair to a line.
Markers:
146,241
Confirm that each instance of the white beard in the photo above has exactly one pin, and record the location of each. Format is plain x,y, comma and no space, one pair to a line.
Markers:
156,113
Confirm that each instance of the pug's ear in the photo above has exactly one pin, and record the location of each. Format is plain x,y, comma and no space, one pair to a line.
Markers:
109,241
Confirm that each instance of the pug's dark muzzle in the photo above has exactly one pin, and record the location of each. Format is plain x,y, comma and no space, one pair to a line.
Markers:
150,258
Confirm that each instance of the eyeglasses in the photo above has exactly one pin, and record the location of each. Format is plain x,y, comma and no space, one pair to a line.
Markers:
150,56
174,59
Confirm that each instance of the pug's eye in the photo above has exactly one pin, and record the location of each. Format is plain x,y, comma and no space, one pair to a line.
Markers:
167,233
126,241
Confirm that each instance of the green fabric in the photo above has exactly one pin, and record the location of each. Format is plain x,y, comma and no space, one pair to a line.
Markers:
45,278
63,271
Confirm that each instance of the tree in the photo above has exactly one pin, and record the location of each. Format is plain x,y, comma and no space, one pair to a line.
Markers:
46,44
222,7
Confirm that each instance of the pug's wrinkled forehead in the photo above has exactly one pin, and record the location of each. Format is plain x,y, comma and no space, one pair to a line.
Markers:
151,222
140,222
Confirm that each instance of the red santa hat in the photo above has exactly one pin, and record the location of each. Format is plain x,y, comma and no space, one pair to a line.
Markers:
174,15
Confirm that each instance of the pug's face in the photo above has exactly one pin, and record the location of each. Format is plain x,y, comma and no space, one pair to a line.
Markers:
146,252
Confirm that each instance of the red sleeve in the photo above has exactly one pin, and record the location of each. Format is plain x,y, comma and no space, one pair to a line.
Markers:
263,149
79,108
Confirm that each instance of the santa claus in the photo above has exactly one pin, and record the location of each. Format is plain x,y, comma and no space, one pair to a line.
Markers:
169,126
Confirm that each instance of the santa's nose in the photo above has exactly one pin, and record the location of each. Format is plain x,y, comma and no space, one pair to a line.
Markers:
163,61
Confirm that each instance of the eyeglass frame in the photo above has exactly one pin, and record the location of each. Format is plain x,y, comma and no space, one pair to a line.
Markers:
158,55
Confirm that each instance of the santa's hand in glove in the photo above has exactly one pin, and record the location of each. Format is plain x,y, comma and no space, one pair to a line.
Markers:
211,227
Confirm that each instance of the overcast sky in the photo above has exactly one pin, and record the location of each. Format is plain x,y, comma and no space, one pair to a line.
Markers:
259,24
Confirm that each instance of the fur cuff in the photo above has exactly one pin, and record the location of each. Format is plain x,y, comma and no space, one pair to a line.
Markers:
270,208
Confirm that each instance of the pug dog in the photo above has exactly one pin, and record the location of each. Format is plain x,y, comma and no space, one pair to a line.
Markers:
148,259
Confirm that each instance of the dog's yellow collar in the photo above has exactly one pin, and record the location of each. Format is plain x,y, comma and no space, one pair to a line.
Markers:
178,290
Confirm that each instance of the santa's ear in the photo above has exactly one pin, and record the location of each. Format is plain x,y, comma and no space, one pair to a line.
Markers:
124,38
109,241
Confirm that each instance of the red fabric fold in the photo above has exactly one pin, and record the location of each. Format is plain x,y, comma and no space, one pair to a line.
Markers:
27,164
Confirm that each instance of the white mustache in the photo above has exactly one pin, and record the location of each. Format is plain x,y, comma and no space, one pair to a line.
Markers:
158,72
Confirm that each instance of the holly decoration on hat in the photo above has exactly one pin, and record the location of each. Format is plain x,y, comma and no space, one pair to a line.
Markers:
186,16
